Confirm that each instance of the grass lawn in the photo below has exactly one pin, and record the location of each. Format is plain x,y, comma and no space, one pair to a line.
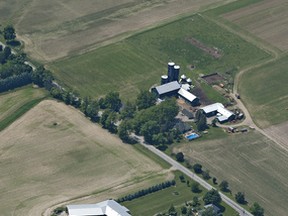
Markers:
249,162
264,92
15,103
162,200
137,62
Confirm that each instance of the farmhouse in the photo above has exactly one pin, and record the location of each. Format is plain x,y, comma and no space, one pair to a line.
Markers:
223,115
105,208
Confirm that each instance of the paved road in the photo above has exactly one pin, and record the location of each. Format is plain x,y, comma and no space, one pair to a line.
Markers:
189,173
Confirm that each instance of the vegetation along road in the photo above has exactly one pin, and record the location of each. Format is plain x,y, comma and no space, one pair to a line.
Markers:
189,173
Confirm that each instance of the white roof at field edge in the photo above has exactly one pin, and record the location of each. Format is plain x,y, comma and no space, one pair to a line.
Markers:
108,207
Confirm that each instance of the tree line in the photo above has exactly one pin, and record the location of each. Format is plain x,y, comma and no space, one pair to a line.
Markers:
147,191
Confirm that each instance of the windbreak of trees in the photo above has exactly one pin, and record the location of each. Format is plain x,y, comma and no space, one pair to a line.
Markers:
147,191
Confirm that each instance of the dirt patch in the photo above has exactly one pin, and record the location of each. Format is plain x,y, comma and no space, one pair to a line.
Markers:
212,51
201,95
43,164
214,78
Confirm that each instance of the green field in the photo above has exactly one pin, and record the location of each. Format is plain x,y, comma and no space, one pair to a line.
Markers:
264,91
14,104
249,162
151,204
137,62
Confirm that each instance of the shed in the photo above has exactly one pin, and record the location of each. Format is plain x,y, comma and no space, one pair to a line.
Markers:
188,114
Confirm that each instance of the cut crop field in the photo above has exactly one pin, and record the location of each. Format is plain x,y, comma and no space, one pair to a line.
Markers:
266,19
265,93
53,154
250,163
56,28
137,62
16,103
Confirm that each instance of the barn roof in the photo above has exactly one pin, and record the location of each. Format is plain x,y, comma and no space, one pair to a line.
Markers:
108,207
168,87
218,107
187,95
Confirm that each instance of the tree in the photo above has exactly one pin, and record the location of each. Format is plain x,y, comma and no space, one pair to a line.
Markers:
172,211
197,168
184,210
240,198
128,111
112,101
9,33
145,99
209,212
257,210
148,129
7,52
224,186
195,187
212,197
214,180
202,123
206,175
182,178
180,157
195,201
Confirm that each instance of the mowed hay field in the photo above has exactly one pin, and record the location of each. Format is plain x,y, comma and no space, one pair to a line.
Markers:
16,103
53,154
250,163
56,28
137,62
265,93
267,19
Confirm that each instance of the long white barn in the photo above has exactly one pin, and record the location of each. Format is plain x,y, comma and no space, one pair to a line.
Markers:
105,208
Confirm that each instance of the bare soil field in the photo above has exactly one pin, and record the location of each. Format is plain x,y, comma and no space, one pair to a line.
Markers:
55,29
213,51
250,163
53,154
267,19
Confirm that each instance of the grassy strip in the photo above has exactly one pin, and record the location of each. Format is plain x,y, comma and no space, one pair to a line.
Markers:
231,7
19,112
152,156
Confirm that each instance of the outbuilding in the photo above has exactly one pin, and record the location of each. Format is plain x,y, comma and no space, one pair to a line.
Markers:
167,90
107,208
188,97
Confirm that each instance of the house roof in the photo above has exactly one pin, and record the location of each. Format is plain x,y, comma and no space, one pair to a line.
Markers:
215,208
182,127
187,113
187,95
108,207
168,87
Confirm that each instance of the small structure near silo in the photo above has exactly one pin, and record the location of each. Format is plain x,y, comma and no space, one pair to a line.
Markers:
223,114
188,97
108,208
183,78
164,79
167,90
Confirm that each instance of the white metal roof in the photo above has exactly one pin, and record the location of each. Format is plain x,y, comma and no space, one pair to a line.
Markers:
168,87
212,107
218,107
185,86
108,207
187,95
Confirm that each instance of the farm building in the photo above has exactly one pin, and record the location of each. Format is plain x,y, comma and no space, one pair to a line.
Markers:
167,90
108,208
188,97
188,114
214,208
218,108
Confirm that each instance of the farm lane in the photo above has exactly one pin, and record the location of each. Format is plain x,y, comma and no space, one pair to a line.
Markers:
196,178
